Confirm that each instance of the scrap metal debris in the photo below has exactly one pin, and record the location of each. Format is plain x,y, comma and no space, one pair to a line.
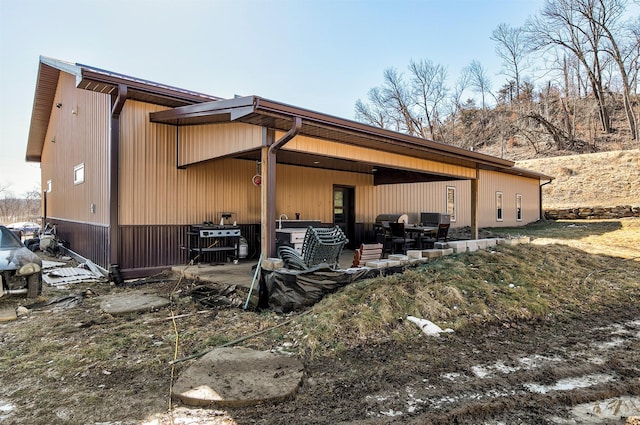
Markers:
53,274
216,297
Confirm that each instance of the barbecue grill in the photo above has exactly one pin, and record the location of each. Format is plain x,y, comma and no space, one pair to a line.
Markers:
392,218
434,219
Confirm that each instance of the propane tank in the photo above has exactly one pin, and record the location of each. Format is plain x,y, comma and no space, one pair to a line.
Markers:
243,249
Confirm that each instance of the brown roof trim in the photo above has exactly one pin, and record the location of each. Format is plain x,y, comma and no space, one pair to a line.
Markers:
247,108
99,80
527,173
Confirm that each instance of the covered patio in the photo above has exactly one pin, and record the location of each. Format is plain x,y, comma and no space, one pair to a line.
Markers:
300,137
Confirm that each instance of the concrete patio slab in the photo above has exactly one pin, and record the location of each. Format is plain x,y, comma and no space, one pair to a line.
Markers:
238,377
132,302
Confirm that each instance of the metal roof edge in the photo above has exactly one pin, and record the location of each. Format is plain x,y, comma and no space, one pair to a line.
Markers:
279,107
43,98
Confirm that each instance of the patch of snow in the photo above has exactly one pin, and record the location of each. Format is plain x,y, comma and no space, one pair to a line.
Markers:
569,383
392,413
6,409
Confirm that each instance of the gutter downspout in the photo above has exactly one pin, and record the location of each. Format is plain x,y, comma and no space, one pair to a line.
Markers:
114,184
541,214
271,185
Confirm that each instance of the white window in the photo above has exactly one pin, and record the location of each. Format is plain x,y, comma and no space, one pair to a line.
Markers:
451,202
499,208
78,174
519,207
49,186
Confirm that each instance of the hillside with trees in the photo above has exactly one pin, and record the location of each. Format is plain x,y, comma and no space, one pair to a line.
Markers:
570,86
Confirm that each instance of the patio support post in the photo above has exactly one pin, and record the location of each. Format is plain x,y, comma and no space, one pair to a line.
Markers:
269,189
265,187
114,182
474,206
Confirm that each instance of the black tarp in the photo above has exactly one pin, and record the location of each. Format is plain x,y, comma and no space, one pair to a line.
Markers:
287,290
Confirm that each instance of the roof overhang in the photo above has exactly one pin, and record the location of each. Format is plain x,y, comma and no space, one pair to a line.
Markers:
279,116
98,80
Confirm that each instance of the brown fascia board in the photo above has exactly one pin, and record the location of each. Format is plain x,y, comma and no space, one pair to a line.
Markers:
236,107
158,91
389,136
43,98
528,173
250,105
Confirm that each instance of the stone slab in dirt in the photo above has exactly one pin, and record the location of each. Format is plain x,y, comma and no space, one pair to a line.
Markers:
132,302
239,377
8,314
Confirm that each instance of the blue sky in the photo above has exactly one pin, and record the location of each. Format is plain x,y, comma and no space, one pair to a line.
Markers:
320,55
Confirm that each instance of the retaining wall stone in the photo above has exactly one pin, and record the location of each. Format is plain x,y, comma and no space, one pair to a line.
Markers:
591,213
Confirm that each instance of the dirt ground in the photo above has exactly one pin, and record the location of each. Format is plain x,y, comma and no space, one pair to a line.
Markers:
74,364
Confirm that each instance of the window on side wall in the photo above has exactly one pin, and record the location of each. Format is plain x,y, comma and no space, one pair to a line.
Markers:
451,202
519,207
499,208
49,186
78,174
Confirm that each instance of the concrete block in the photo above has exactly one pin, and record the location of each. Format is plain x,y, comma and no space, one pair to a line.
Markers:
398,257
432,253
510,242
441,245
525,239
377,264
414,254
499,241
472,246
482,243
413,261
447,251
458,246
491,242
272,264
393,263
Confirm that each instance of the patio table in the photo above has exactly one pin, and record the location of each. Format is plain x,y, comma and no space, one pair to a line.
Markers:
418,232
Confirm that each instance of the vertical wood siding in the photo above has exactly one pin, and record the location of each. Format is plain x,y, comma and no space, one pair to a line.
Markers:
80,137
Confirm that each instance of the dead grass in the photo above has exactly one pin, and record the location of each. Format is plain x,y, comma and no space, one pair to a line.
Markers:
571,267
88,361
605,179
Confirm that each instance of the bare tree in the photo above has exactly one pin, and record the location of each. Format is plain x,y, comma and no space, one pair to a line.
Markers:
374,112
511,47
411,105
563,24
428,90
606,15
479,81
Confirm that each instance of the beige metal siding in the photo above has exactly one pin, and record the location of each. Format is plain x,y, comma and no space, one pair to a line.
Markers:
154,191
202,142
372,156
78,133
510,185
412,199
309,191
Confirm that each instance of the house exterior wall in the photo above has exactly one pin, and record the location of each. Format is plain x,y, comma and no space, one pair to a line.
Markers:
510,186
154,191
202,142
80,128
